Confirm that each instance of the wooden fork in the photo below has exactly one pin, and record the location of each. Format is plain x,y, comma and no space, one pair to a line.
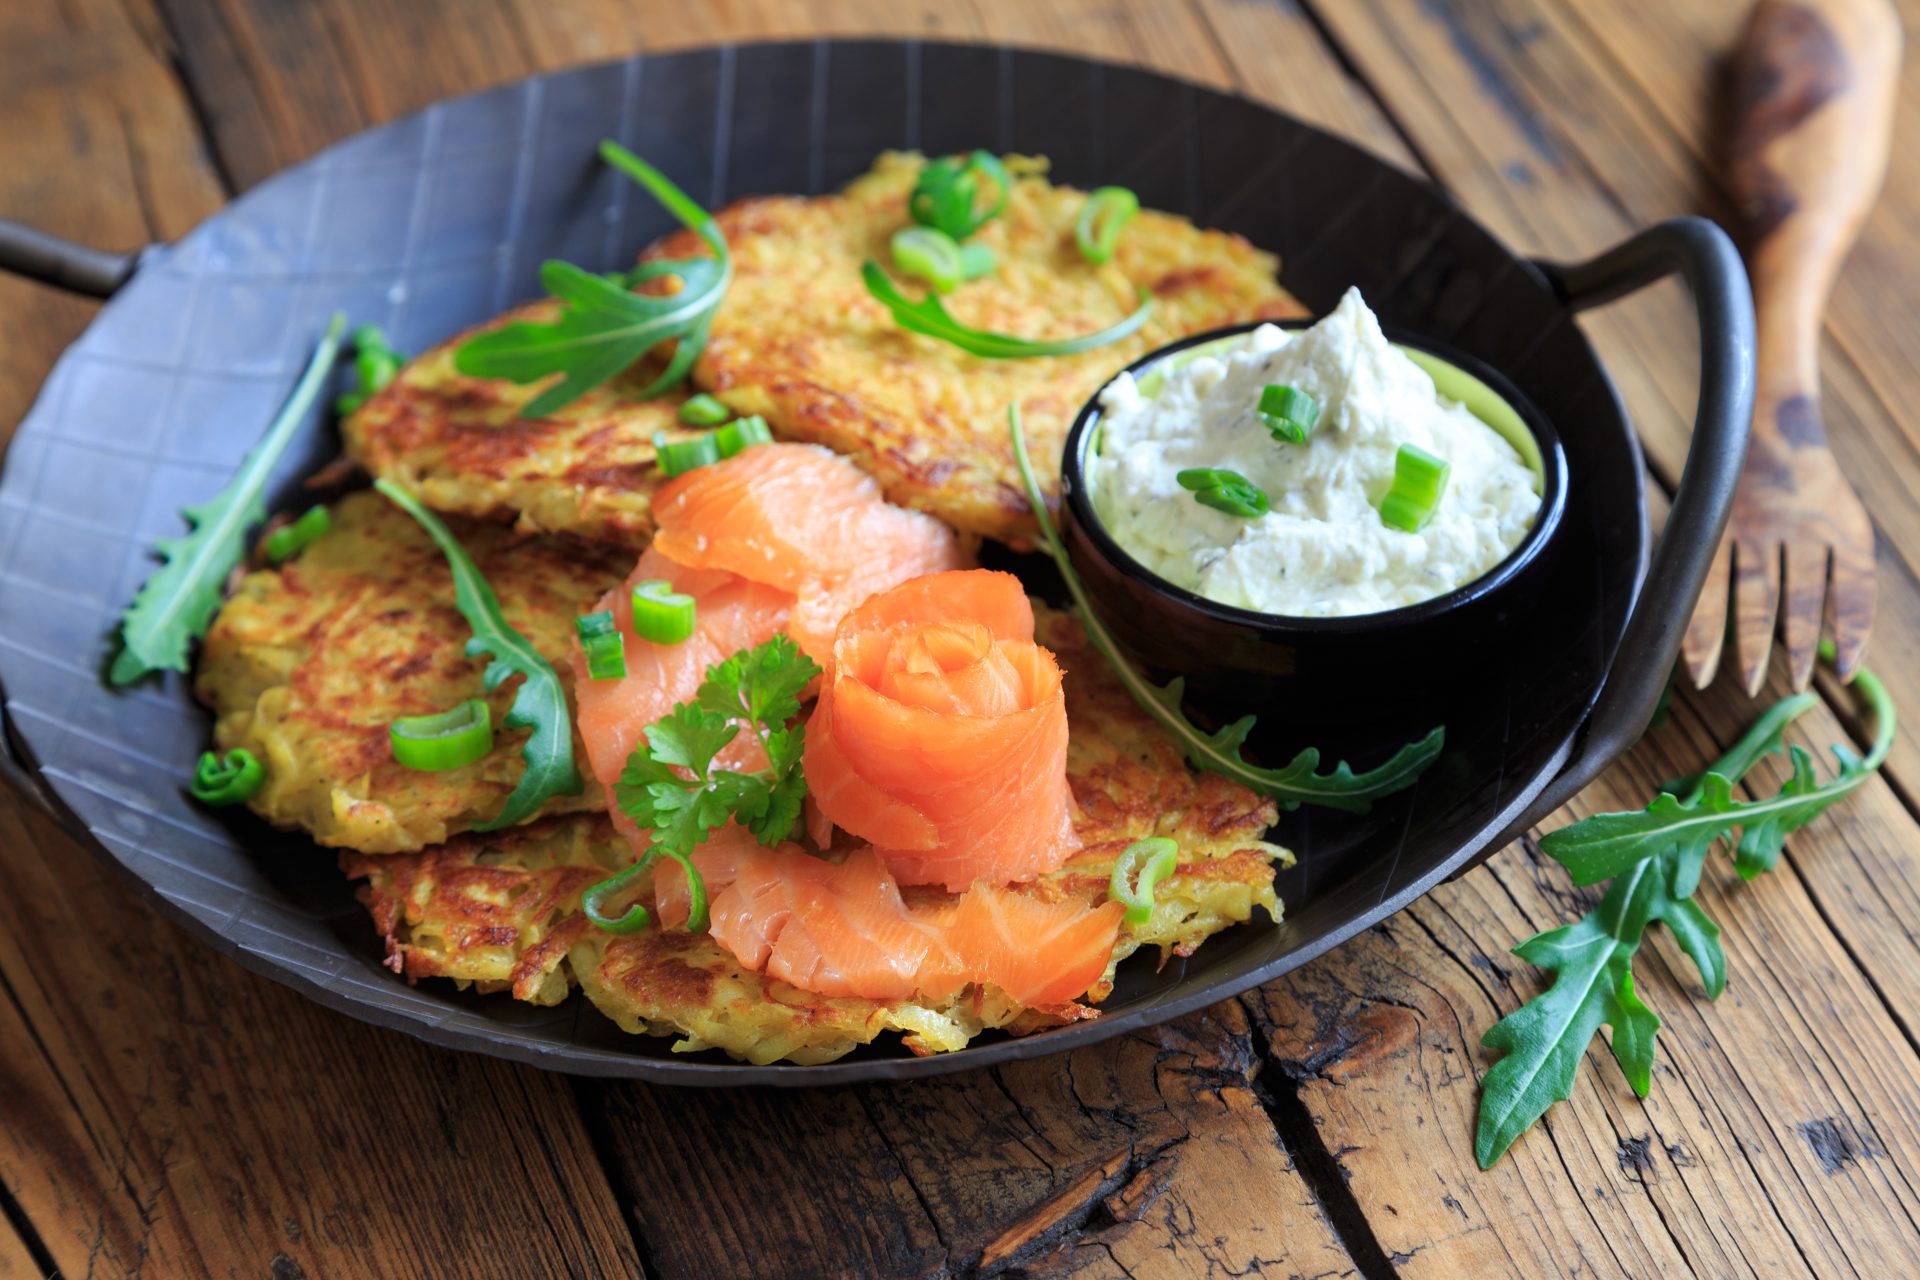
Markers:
1813,94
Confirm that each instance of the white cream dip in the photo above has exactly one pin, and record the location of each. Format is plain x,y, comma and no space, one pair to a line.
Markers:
1322,550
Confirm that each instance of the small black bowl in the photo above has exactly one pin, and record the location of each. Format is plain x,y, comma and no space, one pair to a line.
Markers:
1361,667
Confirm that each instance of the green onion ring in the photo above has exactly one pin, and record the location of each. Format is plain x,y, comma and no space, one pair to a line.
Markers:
742,433
661,614
219,781
445,739
1289,413
1159,855
1419,479
1102,218
704,411
677,457
930,255
606,656
295,534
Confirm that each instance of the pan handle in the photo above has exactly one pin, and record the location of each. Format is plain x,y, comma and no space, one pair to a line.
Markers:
1703,254
36,255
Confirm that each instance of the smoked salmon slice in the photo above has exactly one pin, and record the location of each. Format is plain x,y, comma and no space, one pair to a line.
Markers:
941,734
779,537
805,520
845,930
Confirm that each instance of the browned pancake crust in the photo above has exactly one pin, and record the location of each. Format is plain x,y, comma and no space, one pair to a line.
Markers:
800,340
461,444
308,664
498,911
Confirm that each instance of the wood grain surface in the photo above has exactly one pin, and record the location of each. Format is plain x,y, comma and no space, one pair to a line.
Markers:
163,1113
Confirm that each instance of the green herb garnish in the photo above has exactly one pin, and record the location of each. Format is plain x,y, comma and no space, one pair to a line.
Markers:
1102,218
1294,784
220,781
1419,479
540,704
946,194
375,364
704,411
1140,866
1223,490
674,457
295,534
929,255
928,316
175,605
671,788
1288,413
604,326
661,614
1654,858
442,740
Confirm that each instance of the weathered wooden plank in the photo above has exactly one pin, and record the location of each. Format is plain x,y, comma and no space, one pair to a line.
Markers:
1613,121
100,147
164,1107
16,1259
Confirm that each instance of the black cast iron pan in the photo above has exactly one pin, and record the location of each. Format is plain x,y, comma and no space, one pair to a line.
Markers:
436,221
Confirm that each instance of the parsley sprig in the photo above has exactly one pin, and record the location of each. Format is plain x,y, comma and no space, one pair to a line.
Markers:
539,704
671,787
1297,782
176,604
604,326
1654,858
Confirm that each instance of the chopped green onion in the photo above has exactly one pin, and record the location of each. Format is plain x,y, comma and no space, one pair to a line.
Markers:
704,411
593,903
678,456
976,260
946,195
1241,499
1207,478
1227,491
929,317
444,740
295,534
742,433
1289,413
606,656
930,255
1133,882
219,781
1419,478
1103,217
660,613
375,364
589,625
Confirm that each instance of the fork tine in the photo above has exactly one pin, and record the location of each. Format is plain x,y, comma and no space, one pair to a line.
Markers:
1850,601
1804,593
1707,632
1756,600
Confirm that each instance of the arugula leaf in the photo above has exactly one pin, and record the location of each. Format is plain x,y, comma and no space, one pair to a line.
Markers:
1295,783
670,787
604,326
540,704
175,605
930,317
1655,858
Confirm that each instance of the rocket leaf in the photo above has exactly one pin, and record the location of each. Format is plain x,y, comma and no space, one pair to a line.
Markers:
540,704
176,604
1654,858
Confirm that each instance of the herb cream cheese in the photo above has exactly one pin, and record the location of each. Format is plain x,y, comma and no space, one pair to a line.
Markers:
1322,549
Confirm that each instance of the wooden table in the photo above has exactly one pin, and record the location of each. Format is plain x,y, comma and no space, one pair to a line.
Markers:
164,1113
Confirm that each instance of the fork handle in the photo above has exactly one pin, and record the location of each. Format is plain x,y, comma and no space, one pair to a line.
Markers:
1813,85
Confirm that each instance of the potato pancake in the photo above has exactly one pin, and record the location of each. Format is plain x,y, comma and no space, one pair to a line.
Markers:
462,446
498,911
800,341
308,663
